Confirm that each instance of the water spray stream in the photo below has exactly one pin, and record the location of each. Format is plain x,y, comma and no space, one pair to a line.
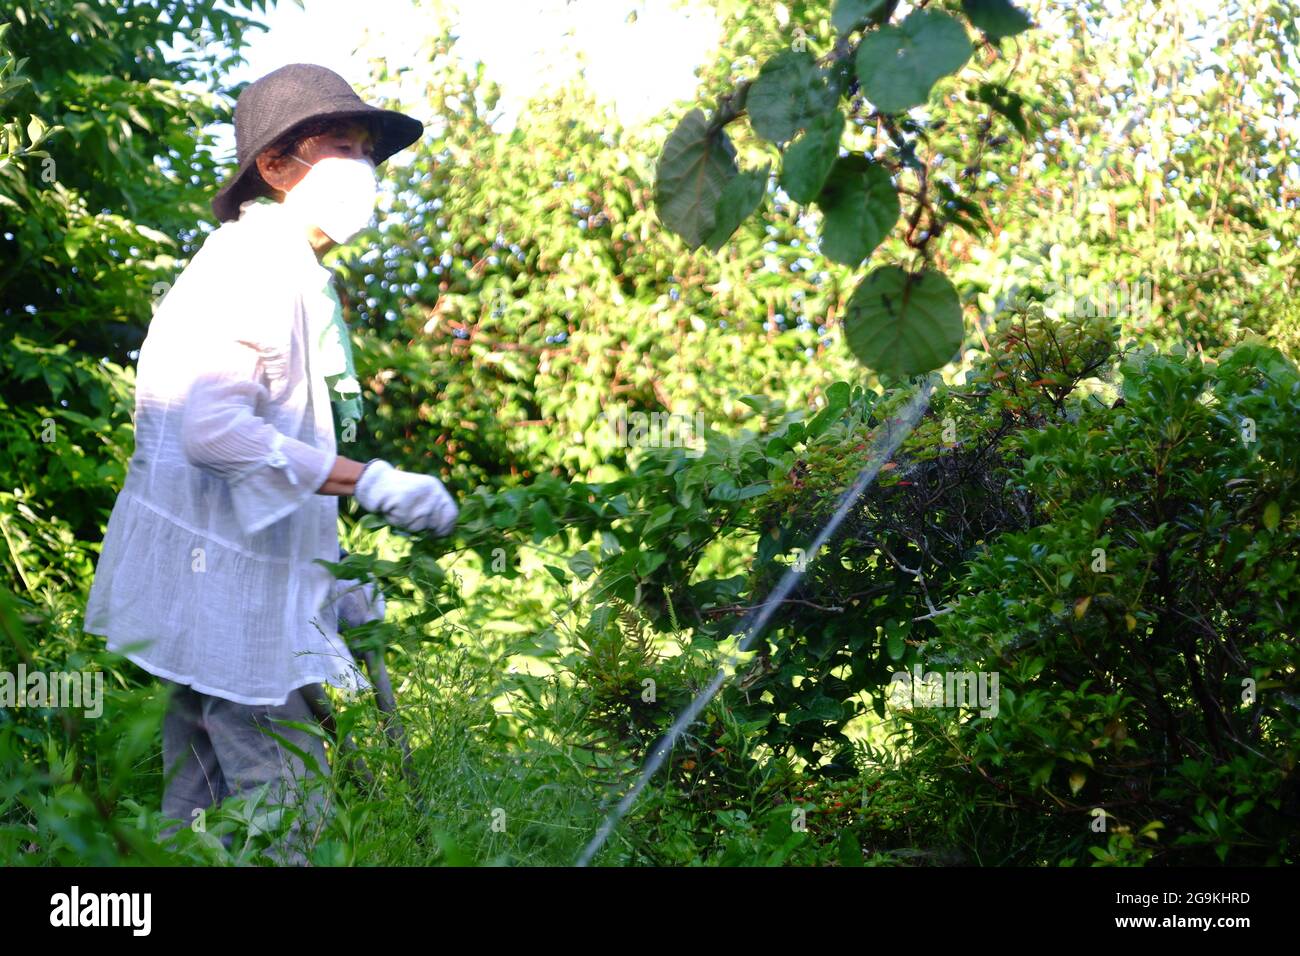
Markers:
883,449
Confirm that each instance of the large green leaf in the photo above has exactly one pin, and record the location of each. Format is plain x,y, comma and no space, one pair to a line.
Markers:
900,323
740,197
997,18
898,65
790,92
694,169
859,208
810,157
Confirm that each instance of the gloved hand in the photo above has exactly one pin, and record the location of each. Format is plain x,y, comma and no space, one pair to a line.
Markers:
407,500
356,603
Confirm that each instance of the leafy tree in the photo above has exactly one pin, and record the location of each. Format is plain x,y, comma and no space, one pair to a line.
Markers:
1157,183
105,174
693,542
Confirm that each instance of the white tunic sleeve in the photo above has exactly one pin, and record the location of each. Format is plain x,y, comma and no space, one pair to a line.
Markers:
245,353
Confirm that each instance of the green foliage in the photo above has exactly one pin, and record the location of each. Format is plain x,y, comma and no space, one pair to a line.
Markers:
740,197
808,161
997,18
896,66
850,15
523,295
1164,186
696,166
977,552
104,176
1142,627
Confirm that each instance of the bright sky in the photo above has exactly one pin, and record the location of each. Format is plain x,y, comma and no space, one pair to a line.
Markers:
640,67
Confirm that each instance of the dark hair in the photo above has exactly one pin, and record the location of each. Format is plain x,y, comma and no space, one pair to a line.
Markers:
317,127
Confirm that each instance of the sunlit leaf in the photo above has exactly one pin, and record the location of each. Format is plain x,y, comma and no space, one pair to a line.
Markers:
997,18
899,65
808,160
694,168
789,93
859,208
900,323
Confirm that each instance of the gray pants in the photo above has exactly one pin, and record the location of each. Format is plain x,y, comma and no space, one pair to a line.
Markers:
214,748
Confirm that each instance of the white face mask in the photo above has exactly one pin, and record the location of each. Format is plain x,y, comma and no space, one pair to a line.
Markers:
337,196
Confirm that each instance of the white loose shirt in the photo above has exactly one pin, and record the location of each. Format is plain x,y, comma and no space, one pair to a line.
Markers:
206,575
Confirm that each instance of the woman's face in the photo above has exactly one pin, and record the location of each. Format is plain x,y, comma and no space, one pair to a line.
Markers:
348,140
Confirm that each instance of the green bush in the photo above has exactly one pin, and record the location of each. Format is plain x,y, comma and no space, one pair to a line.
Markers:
1144,629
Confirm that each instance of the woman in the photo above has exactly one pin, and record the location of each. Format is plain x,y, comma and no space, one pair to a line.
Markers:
207,576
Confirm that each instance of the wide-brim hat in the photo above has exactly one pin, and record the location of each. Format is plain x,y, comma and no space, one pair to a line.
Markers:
292,96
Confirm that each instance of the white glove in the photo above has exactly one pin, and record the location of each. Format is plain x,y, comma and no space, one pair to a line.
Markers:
355,602
402,498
